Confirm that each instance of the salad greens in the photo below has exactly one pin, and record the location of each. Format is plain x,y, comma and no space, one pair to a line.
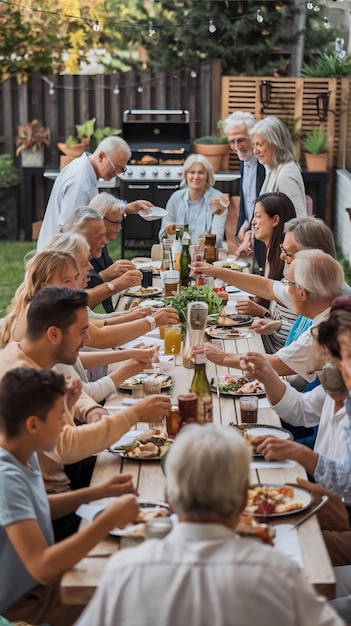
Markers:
193,294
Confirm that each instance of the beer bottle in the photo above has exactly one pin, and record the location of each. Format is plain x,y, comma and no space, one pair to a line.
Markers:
176,251
202,388
185,260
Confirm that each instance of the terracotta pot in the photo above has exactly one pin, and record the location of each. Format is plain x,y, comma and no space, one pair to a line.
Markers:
72,151
316,162
215,153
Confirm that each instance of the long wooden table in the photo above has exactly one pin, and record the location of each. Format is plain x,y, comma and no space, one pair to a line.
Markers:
79,584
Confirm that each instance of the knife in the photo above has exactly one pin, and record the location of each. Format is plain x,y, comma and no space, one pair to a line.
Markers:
323,501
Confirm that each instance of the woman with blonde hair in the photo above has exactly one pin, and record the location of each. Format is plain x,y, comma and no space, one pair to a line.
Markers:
58,268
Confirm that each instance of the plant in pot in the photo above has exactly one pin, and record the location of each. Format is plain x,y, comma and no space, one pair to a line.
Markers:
316,147
214,147
9,181
73,147
30,143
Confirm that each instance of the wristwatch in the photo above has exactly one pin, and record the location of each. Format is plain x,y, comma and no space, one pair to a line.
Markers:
111,286
151,321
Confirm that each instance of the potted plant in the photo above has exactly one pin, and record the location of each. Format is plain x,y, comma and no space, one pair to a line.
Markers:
9,181
73,147
214,147
30,142
316,146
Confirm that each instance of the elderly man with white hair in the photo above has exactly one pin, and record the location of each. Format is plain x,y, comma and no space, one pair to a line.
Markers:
314,279
77,184
237,127
90,224
203,573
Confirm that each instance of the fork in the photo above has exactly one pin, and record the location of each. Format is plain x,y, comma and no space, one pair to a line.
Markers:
323,501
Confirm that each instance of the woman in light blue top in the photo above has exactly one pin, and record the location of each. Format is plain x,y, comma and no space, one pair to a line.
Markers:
193,203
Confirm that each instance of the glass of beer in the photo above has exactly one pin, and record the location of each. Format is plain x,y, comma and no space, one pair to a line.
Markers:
248,409
171,283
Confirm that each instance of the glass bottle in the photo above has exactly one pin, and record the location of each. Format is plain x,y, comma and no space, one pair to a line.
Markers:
196,319
176,251
210,248
185,260
202,388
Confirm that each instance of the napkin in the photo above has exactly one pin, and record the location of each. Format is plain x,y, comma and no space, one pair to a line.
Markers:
287,542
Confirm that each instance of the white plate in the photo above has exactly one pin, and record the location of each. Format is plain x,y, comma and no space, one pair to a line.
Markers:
240,264
138,530
156,214
306,498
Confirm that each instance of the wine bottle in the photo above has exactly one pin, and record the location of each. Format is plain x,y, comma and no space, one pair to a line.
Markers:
185,260
176,251
202,388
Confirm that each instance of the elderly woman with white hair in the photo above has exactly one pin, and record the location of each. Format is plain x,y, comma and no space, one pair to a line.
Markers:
192,203
274,148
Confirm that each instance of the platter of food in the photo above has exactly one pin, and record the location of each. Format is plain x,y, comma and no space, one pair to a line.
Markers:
232,264
220,332
149,510
251,431
129,383
276,500
143,292
220,320
152,445
229,385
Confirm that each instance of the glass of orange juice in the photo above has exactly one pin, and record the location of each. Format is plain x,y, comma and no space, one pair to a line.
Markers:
172,339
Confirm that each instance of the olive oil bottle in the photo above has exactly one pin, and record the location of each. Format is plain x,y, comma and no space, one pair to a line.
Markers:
202,388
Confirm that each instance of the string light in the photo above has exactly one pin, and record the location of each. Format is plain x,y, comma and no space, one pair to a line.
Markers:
151,30
316,8
193,74
140,89
259,16
310,6
51,91
96,26
326,23
211,27
116,90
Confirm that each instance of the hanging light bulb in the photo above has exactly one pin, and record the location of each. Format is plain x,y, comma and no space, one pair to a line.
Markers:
116,90
51,90
96,26
193,74
211,27
259,16
326,23
316,8
310,6
151,30
140,89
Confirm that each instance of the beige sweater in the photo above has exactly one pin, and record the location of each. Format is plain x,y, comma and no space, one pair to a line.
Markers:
75,442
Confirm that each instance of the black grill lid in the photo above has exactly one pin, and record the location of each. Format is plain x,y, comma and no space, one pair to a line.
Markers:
146,136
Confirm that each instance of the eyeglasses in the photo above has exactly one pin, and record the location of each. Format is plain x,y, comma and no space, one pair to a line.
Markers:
118,168
285,252
114,222
290,283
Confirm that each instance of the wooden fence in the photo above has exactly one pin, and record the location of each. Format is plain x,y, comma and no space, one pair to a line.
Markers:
60,102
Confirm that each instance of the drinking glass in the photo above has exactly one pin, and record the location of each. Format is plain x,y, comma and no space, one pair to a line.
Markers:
172,339
171,283
153,386
248,409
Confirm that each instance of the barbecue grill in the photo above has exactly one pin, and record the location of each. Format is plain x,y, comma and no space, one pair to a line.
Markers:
159,148
160,143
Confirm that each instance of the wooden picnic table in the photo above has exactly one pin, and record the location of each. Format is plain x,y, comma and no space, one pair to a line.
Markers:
79,584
